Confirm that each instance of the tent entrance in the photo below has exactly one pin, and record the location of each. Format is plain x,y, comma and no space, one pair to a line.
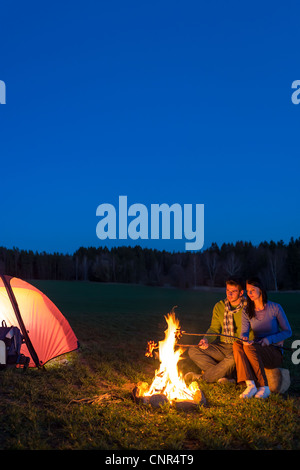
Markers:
14,303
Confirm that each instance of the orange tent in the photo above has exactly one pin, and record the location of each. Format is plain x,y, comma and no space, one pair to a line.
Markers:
47,333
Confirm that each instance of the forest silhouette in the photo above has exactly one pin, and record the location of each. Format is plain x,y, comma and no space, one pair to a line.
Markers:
277,263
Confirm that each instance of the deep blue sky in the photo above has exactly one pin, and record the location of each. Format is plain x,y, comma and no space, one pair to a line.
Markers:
162,101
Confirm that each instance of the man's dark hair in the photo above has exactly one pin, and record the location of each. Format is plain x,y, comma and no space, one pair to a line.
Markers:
235,281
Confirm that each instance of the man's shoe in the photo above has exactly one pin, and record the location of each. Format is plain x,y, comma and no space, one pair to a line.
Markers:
225,380
190,376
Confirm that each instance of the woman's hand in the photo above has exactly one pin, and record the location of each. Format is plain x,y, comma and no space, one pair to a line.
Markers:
264,342
246,341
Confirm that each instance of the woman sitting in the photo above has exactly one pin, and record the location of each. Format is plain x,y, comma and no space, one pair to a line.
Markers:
270,327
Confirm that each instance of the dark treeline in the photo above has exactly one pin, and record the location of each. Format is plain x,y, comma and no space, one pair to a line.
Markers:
277,264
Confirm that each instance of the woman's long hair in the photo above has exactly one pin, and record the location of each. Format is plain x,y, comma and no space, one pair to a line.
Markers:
256,282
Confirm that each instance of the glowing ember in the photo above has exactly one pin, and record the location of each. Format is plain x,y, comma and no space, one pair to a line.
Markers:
168,381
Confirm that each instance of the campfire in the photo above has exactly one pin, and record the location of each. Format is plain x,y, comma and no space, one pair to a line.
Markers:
168,385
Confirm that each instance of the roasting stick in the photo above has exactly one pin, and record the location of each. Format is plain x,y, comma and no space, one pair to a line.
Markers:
208,334
227,336
151,345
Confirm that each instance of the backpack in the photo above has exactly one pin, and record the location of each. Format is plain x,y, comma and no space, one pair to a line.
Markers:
10,346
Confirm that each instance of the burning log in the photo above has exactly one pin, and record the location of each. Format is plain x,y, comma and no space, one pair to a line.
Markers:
156,400
193,399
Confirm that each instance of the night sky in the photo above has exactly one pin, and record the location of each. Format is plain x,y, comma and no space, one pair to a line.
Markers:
162,102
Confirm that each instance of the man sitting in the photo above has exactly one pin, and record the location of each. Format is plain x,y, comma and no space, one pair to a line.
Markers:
214,355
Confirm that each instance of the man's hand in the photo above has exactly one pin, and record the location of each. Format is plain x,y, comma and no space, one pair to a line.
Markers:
203,343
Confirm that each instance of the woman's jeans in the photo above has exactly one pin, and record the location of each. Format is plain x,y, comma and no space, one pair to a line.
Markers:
252,359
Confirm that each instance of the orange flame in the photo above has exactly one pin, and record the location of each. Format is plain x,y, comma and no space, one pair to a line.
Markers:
168,380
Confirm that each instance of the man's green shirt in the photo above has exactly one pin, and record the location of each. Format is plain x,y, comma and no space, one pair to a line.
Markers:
216,325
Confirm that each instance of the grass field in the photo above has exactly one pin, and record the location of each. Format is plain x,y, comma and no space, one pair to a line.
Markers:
83,400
